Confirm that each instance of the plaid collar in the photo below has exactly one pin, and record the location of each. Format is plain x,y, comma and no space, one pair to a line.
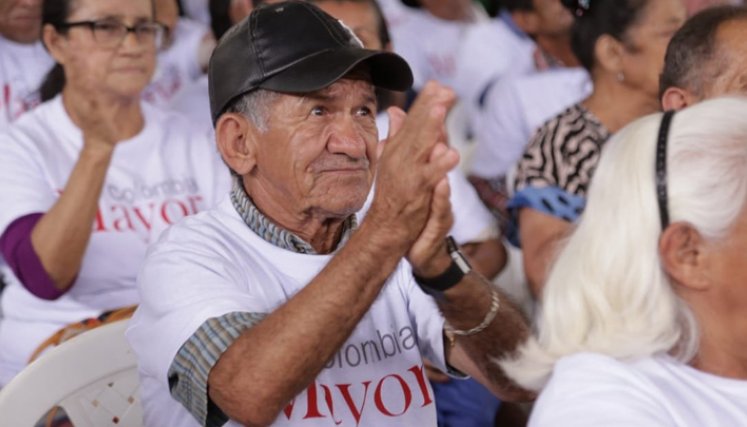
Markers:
273,233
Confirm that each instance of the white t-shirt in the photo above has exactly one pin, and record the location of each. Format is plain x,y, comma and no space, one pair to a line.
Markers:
589,389
178,65
430,45
197,10
395,13
194,102
22,70
513,111
155,179
488,52
212,264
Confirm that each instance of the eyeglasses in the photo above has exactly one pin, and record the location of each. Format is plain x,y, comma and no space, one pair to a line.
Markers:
110,32
661,169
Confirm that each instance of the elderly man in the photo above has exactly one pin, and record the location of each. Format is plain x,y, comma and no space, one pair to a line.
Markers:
706,58
276,307
23,60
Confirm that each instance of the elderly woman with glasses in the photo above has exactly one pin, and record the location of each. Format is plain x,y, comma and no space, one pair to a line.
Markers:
93,176
643,315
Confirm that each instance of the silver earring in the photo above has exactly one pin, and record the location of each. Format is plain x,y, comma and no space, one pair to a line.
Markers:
620,77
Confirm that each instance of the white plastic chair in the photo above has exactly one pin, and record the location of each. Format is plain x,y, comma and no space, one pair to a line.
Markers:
93,377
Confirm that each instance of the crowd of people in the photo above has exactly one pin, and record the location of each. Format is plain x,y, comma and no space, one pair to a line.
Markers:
384,212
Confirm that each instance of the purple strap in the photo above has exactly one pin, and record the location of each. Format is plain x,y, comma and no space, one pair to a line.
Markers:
15,245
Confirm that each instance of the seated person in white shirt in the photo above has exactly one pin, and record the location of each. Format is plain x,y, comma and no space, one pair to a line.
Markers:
514,73
183,57
197,10
23,60
276,307
643,313
527,36
93,176
428,35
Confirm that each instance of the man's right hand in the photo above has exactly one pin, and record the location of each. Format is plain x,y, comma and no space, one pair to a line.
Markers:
414,159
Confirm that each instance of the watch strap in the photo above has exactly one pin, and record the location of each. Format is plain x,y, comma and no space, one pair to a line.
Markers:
458,268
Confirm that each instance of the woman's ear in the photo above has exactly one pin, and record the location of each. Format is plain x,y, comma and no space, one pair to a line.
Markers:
54,42
608,52
237,142
683,256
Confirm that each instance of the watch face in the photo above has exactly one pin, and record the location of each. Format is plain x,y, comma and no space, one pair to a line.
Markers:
457,255
461,261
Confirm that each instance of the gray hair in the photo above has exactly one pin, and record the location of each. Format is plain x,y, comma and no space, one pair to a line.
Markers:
608,291
256,106
692,60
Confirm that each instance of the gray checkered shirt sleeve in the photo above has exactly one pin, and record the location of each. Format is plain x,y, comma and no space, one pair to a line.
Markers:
188,373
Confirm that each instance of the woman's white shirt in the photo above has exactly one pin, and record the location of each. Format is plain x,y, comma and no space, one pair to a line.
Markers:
590,389
158,177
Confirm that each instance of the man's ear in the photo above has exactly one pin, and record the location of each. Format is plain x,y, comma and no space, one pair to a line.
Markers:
237,138
675,98
681,249
527,20
609,53
54,42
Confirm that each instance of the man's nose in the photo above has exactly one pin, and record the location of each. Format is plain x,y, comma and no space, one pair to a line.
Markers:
347,137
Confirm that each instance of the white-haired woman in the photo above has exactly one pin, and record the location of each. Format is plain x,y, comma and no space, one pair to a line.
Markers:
644,315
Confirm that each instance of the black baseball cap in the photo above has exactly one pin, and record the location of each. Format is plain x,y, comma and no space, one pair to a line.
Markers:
293,47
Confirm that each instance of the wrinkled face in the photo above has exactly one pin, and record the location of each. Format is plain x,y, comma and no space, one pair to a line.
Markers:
123,69
319,152
646,44
728,71
20,20
726,273
553,18
359,16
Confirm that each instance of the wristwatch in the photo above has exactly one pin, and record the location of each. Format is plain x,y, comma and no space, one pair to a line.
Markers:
458,268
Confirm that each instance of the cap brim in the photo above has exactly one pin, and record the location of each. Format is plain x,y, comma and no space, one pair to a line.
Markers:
388,71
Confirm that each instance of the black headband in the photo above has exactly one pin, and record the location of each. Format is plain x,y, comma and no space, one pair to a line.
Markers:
661,169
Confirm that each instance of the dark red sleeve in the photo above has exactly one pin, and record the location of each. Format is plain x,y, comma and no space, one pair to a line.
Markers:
16,248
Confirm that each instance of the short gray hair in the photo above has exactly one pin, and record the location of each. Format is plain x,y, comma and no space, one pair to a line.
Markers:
256,106
692,60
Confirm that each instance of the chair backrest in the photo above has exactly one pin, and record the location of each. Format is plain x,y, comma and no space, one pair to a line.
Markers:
93,377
